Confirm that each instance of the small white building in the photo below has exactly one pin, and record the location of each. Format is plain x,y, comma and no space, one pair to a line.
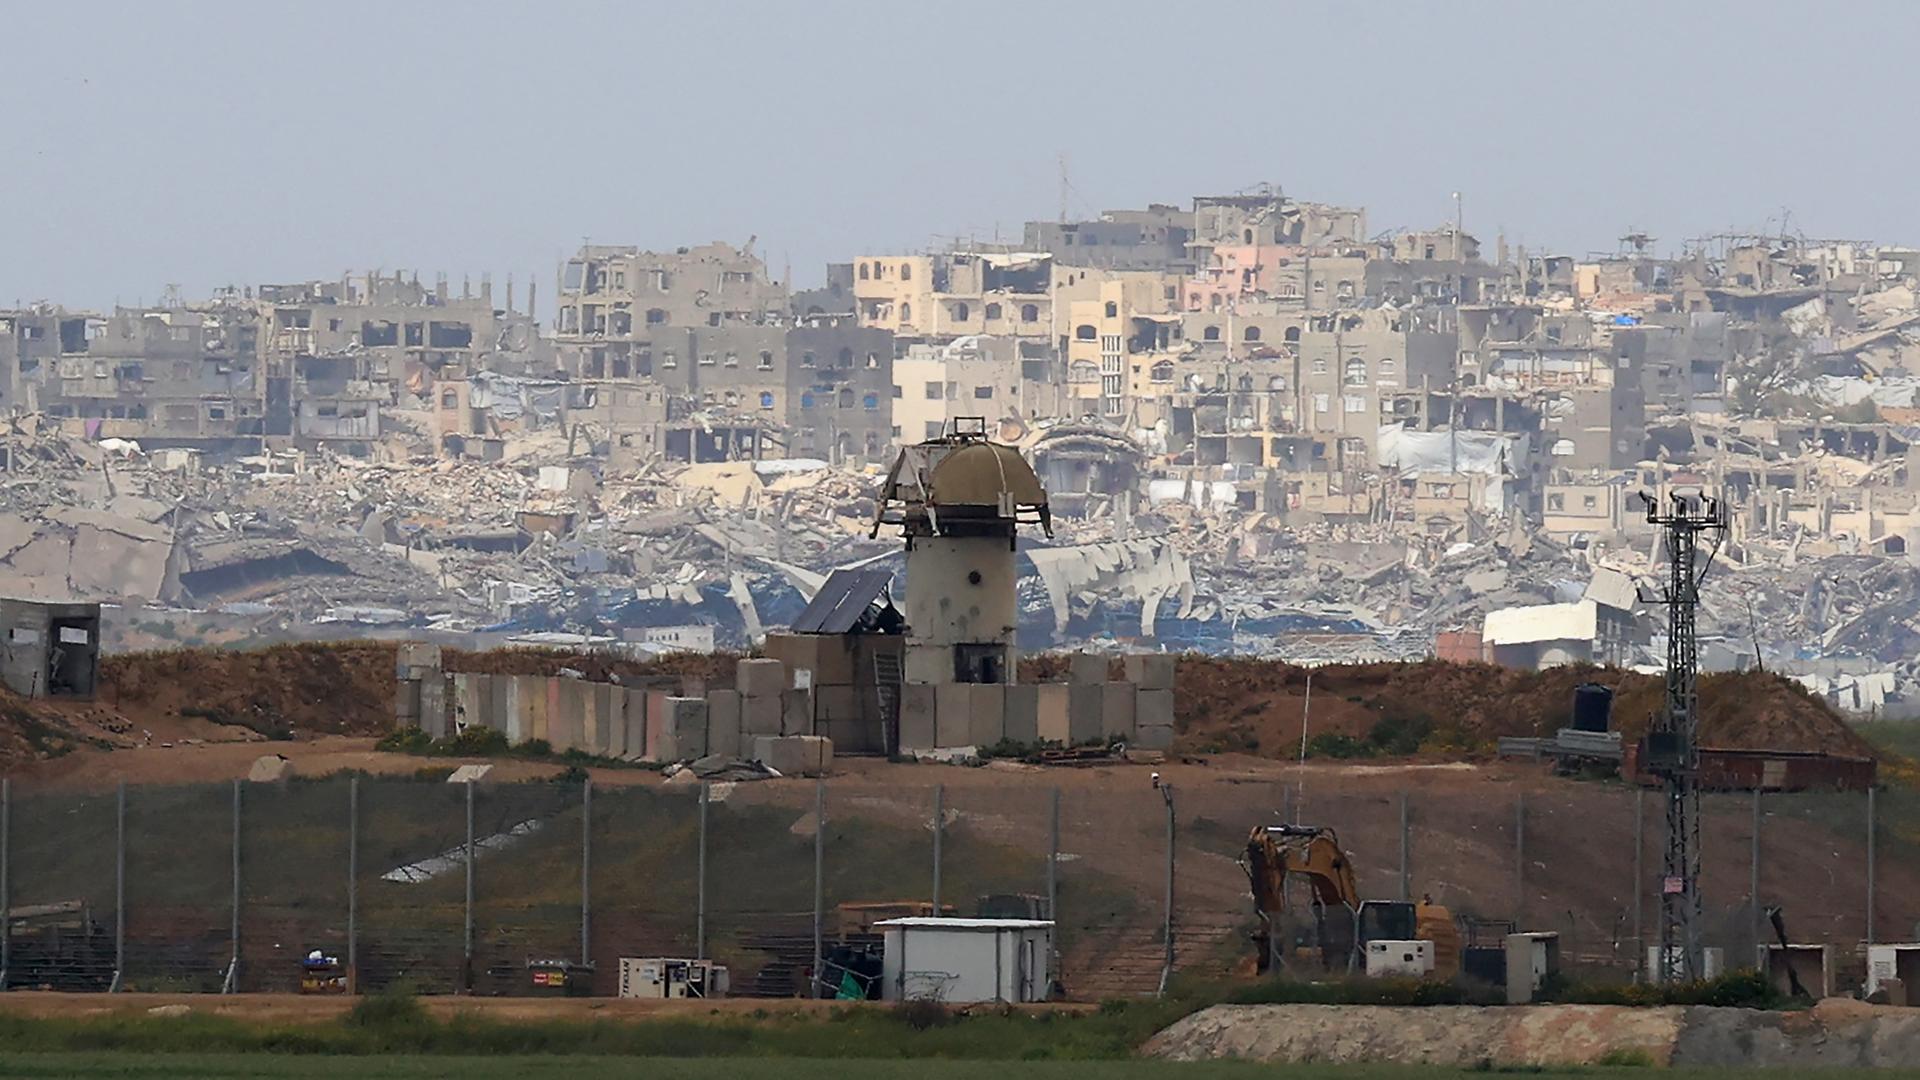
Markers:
962,961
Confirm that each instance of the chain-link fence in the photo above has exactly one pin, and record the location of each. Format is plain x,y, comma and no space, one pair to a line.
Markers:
472,888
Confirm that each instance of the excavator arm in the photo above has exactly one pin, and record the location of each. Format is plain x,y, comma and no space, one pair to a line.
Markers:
1276,851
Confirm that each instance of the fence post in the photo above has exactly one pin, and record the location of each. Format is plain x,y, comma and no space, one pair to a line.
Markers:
1870,864
586,871
1753,880
230,984
1166,969
1639,884
353,885
700,895
1520,858
6,877
819,885
1406,852
1053,868
466,947
119,886
939,830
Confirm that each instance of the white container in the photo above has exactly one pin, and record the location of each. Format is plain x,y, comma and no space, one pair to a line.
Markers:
962,961
668,977
1410,959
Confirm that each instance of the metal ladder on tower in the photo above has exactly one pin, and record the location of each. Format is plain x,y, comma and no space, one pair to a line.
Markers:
887,677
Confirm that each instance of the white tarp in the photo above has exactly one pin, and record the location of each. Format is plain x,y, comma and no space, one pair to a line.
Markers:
1487,453
1200,493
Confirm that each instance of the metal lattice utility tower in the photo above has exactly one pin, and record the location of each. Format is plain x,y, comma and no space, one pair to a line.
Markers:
1689,521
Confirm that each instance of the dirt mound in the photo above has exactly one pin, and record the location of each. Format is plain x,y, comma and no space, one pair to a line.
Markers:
1256,706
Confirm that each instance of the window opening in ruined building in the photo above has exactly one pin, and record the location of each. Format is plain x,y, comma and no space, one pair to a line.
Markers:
1356,371
1113,310
706,359
983,392
1086,332
906,312
993,311
656,316
1322,403
870,402
1163,372
863,272
936,391
807,359
668,360
806,400
846,358
846,398
1252,333
1211,333
1029,313
906,271
960,312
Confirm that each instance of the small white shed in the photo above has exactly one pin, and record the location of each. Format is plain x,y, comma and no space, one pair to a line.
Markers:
962,961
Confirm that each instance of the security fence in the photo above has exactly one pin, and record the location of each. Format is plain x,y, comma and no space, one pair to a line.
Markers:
472,888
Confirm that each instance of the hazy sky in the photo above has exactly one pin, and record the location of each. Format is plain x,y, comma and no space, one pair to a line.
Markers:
209,143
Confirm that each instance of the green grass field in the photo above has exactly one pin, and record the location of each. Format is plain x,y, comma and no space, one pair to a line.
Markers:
86,1065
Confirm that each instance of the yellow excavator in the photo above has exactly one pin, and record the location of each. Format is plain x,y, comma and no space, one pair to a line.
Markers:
1342,925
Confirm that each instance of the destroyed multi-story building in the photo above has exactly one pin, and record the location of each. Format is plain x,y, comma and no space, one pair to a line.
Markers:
956,294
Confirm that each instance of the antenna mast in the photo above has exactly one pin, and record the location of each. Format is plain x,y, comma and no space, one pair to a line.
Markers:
1671,749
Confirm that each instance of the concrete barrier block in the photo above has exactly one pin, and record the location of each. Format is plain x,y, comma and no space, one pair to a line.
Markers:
512,719
1150,671
762,677
406,704
918,712
1086,668
487,700
1022,714
634,717
533,699
794,755
953,715
684,730
760,715
576,702
988,724
434,698
796,712
593,739
1052,713
414,658
614,720
1084,705
1153,708
656,725
1116,711
723,722
1152,737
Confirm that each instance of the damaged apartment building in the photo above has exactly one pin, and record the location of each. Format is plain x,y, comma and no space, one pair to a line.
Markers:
695,356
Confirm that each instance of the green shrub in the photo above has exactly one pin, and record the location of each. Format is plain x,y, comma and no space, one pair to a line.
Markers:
386,1011
409,740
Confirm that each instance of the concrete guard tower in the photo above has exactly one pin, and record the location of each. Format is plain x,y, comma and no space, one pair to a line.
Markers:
960,500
